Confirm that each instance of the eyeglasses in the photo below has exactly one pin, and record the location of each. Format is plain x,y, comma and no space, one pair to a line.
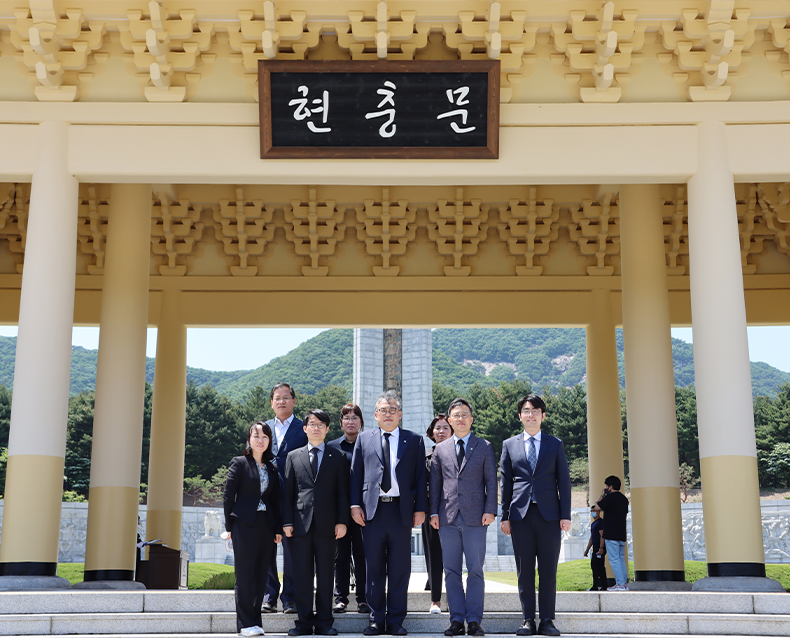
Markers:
527,412
390,411
350,417
316,426
458,416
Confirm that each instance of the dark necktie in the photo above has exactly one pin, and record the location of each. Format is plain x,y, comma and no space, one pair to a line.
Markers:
460,452
386,480
533,455
314,461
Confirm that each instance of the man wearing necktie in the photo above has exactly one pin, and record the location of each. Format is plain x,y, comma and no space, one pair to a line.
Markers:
536,508
388,498
315,515
463,504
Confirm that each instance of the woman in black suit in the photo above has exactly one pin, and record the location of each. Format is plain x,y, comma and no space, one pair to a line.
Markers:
439,430
253,520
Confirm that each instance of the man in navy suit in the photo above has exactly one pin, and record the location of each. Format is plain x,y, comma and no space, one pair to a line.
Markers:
388,498
536,508
287,434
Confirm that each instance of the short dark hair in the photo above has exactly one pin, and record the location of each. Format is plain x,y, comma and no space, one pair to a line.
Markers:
318,414
282,385
439,417
459,401
348,408
268,455
613,481
535,400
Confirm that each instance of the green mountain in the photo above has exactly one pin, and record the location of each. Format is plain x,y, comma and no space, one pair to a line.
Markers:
461,357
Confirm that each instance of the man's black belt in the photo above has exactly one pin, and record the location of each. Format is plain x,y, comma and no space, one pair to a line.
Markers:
389,499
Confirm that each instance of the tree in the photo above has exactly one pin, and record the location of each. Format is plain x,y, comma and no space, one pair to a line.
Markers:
775,465
442,396
79,443
331,400
213,435
566,418
5,415
688,480
686,414
3,466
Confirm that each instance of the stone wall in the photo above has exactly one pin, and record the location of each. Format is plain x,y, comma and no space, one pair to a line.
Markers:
499,555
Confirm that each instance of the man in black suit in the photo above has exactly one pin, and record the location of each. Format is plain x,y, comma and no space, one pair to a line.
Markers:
352,423
388,498
536,508
287,434
315,515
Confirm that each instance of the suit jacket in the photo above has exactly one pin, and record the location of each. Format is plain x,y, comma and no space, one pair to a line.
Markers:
470,489
294,438
549,486
367,470
321,501
243,493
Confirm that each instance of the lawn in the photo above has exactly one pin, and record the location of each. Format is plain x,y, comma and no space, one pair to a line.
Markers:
574,575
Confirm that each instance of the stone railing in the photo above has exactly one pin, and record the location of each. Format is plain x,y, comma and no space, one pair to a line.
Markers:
201,527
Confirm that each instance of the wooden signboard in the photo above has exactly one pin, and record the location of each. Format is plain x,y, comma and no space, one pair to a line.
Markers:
381,109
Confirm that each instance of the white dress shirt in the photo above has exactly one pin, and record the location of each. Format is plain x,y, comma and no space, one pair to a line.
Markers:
394,438
281,429
537,444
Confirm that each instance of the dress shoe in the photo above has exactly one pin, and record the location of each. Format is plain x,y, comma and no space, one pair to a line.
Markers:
339,608
363,608
269,608
527,628
326,632
373,629
547,628
295,631
250,631
456,628
394,629
289,607
474,629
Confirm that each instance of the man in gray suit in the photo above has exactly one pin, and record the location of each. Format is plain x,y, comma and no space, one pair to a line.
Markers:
463,494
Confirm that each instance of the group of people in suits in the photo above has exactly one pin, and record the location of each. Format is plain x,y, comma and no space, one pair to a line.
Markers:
360,496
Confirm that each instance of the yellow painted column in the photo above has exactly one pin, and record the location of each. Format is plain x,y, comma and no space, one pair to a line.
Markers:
650,389
728,453
168,426
39,411
120,389
604,426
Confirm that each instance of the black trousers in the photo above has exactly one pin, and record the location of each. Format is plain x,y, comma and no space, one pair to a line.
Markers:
253,546
313,554
433,559
598,566
348,546
536,538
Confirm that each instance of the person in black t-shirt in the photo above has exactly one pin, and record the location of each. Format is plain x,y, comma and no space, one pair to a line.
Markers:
615,505
597,562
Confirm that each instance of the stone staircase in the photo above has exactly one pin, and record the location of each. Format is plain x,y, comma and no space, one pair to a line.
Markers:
210,613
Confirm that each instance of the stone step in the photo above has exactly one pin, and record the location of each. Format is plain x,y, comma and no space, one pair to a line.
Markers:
98,602
204,623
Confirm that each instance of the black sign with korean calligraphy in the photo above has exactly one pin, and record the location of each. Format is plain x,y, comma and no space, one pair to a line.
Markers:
379,109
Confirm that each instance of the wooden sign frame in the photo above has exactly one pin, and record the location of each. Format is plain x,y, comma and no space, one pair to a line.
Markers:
268,67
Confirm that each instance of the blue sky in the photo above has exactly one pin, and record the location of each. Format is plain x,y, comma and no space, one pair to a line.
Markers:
248,348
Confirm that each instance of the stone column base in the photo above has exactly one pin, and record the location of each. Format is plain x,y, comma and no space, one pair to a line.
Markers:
32,583
738,583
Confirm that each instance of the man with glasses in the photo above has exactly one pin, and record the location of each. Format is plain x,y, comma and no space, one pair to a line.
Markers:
536,508
352,423
463,504
288,434
388,498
